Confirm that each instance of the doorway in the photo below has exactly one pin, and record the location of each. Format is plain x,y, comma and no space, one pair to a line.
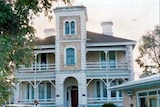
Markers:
71,92
74,96
143,102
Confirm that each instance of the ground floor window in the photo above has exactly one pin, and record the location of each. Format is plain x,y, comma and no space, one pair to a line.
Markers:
44,91
149,98
116,94
30,91
101,90
102,93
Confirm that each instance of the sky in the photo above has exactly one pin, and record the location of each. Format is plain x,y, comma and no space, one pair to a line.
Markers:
131,18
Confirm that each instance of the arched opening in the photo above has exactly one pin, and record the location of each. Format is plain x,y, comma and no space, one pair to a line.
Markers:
72,27
71,92
67,27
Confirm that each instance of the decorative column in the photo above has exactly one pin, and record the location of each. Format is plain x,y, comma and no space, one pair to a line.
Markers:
35,73
108,91
106,57
130,61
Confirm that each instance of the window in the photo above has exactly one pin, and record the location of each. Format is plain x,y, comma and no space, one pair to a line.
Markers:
104,90
41,90
30,91
142,94
101,90
98,89
41,61
103,59
152,92
112,59
152,102
69,27
70,56
44,91
48,91
113,93
120,92
72,27
148,98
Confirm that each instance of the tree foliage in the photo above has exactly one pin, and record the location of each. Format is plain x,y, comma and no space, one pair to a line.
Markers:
17,37
149,49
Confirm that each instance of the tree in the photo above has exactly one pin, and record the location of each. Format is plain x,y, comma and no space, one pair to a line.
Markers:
149,49
17,38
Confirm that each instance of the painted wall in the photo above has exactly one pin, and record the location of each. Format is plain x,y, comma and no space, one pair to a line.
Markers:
128,100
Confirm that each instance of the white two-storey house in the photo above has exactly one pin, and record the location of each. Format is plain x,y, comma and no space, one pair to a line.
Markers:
75,67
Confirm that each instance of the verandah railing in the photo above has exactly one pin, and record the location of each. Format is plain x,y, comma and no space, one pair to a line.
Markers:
103,99
106,65
29,103
37,68
89,66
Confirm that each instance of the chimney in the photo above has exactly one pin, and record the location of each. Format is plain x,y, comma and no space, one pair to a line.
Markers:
49,32
107,28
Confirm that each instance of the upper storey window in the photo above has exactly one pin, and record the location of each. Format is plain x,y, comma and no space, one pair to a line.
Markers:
70,27
70,56
112,59
67,28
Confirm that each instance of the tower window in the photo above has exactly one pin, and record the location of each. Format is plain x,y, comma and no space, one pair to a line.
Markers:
67,28
70,56
70,27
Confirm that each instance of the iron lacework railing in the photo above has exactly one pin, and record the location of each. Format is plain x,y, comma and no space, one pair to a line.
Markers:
36,68
89,66
106,65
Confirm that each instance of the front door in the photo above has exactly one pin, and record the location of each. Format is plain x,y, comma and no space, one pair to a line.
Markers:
74,97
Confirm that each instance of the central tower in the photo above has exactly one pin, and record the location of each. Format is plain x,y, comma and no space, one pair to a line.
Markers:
70,37
71,56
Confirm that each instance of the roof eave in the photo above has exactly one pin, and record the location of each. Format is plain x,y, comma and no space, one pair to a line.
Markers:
136,86
44,46
146,82
112,43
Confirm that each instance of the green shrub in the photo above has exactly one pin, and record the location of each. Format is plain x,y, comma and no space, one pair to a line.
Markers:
108,105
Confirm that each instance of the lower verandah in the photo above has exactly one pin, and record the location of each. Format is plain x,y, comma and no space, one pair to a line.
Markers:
44,91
